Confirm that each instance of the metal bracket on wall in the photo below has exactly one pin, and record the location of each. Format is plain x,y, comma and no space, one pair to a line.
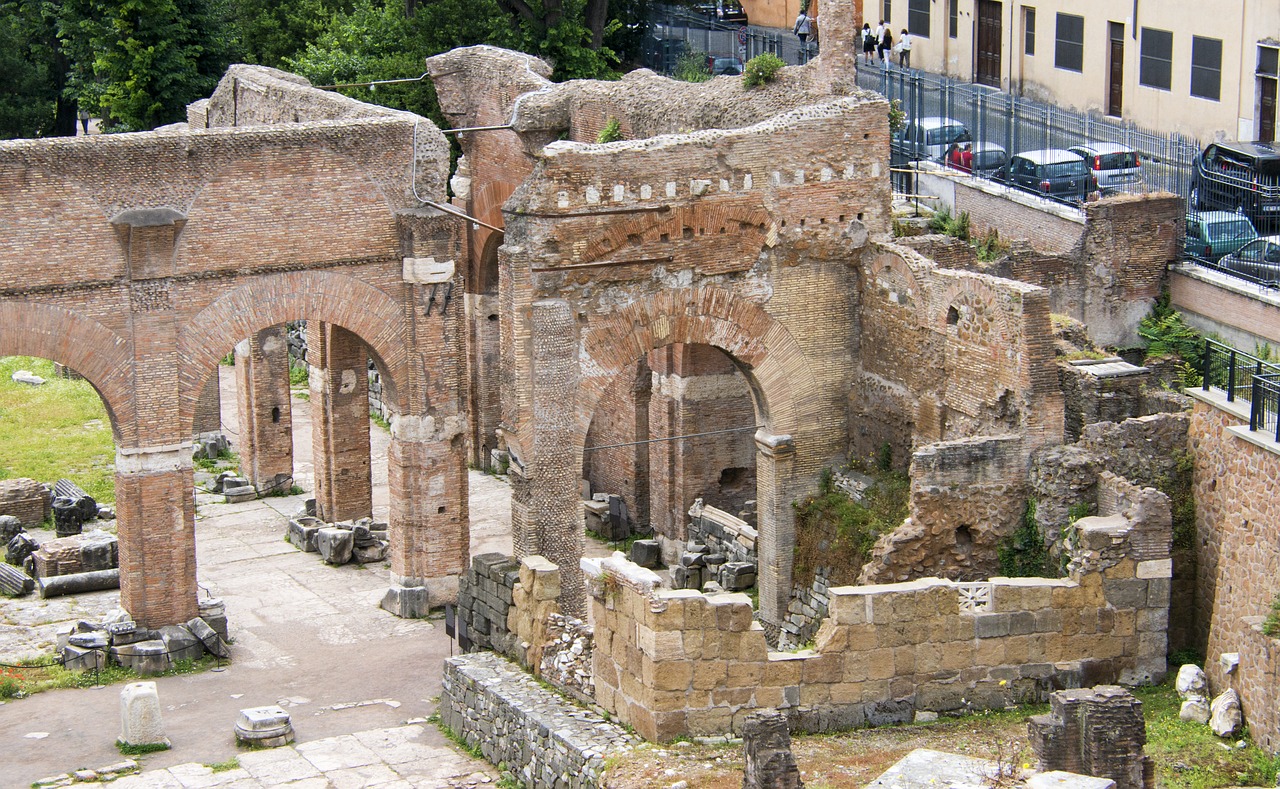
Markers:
437,297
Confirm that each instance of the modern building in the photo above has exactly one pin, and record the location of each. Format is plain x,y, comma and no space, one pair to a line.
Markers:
1208,71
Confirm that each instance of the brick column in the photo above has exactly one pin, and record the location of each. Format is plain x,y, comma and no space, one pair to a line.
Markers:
430,529
775,467
266,420
339,422
155,522
555,464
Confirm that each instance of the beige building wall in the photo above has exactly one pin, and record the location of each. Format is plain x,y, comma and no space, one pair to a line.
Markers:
1243,26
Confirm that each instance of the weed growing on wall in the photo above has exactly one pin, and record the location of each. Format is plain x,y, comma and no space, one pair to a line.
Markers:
692,67
1167,334
1271,625
1177,485
1023,554
612,131
832,530
761,69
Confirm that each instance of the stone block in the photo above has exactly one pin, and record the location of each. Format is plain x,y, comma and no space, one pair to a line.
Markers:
81,659
990,625
1225,718
368,554
140,722
14,582
647,553
181,643
407,602
737,576
335,545
1195,709
145,657
209,637
235,495
264,727
302,533
95,639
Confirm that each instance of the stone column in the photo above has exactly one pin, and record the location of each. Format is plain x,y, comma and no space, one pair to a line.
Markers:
340,422
262,401
430,529
775,462
554,465
839,24
155,522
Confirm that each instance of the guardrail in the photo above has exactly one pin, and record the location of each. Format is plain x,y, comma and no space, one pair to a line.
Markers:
1268,283
1248,378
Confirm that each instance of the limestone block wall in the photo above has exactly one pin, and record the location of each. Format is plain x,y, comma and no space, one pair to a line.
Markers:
671,663
543,739
722,533
1239,560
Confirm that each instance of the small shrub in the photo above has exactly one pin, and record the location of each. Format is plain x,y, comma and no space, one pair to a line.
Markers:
138,750
612,131
1271,626
897,116
9,688
1167,334
1022,554
692,67
941,220
299,373
761,69
990,247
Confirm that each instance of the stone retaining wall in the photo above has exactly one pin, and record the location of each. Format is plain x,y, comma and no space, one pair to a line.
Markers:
542,739
723,533
484,600
672,663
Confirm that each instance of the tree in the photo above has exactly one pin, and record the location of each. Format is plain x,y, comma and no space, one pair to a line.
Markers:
31,100
140,62
270,30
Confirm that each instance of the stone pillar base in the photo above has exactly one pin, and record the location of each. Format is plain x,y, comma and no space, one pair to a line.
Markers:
412,598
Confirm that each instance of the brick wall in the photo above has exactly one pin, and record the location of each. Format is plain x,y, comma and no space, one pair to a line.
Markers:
1240,312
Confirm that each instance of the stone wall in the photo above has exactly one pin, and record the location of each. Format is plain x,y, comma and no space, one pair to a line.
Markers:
27,500
484,602
541,738
671,663
1239,559
723,533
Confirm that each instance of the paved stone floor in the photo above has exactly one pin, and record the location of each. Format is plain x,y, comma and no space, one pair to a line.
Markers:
306,636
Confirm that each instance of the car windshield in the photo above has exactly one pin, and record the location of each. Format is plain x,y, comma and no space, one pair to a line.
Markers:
1118,161
988,160
1232,228
1260,250
945,135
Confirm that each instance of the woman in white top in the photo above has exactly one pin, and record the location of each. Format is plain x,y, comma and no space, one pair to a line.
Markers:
904,50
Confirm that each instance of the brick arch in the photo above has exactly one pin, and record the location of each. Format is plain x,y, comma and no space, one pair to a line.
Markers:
342,300
902,273
486,205
783,387
104,358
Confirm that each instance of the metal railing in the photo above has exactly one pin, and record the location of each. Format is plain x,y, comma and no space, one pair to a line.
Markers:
674,30
1245,377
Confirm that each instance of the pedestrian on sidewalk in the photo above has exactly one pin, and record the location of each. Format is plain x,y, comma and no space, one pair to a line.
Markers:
885,46
803,26
868,43
904,49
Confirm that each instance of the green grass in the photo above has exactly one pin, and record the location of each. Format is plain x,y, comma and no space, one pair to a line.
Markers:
227,766
138,750
1190,756
54,431
35,676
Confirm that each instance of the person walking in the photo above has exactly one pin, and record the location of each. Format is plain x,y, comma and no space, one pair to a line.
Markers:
803,26
904,50
885,46
868,43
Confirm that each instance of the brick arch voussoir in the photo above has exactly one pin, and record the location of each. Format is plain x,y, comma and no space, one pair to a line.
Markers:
773,362
371,314
102,357
982,292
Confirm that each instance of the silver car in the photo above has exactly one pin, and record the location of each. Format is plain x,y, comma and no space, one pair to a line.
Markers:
1117,168
929,138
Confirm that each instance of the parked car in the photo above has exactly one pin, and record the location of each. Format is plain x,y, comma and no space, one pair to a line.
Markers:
1242,177
929,138
1259,259
1212,234
1061,175
1117,168
722,11
718,65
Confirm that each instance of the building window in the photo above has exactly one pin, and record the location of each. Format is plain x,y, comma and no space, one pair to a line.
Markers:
1029,30
918,17
1206,67
1069,43
1155,66
888,11
1269,61
953,18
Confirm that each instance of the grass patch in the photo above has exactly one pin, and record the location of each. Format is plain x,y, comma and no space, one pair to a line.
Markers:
471,750
380,421
623,545
832,530
227,766
138,750
1190,756
57,430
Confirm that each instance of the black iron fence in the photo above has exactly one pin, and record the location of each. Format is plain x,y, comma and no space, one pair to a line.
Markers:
1245,377
674,30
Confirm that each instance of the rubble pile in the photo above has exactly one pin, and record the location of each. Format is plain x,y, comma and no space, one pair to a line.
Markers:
362,541
120,641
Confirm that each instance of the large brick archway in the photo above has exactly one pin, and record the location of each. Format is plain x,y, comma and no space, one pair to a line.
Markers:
139,260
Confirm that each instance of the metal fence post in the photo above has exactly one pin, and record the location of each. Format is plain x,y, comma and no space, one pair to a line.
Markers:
1231,377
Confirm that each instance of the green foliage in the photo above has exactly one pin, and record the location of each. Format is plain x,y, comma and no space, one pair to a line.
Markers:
943,222
1167,334
884,457
1023,554
223,767
990,246
58,429
612,131
299,373
1177,485
692,67
1270,626
137,750
9,688
138,63
832,530
761,69
272,31
897,116
34,72
380,421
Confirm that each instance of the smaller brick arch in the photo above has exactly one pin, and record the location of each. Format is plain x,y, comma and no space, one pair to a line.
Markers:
97,353
342,300
783,386
902,273
973,291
